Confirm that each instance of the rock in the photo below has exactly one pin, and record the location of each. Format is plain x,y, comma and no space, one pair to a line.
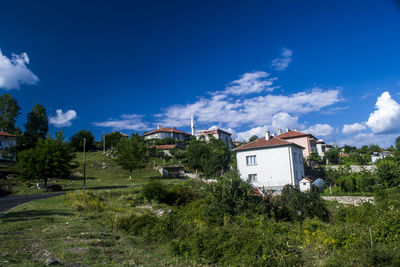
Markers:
162,212
51,261
104,165
147,207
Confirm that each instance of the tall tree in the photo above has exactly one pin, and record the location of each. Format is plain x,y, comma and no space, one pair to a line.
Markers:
9,111
132,153
77,140
36,126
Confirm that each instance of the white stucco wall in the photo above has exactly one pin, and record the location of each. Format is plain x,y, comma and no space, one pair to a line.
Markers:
275,166
305,185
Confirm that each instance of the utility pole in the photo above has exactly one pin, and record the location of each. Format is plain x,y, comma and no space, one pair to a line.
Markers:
84,163
104,142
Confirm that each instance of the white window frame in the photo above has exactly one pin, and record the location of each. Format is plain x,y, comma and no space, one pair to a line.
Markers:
252,177
251,160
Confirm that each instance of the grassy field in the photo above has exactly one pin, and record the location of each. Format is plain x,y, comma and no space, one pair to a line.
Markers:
101,172
31,233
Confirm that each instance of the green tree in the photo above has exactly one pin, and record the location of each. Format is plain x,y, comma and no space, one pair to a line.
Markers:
113,139
332,155
132,153
36,126
388,172
210,157
315,158
253,138
9,111
50,158
77,140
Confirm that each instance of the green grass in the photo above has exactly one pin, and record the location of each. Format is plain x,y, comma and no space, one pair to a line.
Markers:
33,232
96,176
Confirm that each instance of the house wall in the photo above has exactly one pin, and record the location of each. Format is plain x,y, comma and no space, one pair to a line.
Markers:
308,144
305,185
275,166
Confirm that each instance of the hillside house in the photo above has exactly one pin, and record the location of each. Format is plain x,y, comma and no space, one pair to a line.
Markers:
305,140
270,162
322,147
217,133
164,132
8,145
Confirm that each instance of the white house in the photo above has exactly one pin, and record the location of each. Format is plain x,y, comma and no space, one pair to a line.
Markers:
322,147
305,184
217,133
270,162
164,132
8,144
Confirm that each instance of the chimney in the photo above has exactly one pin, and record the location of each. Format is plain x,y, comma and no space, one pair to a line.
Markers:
272,135
158,127
267,135
279,131
286,130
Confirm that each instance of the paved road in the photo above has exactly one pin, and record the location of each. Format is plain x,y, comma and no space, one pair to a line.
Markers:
10,202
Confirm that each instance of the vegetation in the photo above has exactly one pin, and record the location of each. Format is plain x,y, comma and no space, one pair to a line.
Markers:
210,157
9,111
132,153
188,224
50,158
77,140
36,126
113,139
253,138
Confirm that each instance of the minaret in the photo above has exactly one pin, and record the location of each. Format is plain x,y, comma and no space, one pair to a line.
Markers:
192,125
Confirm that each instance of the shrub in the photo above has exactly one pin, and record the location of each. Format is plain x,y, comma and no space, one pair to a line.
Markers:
155,190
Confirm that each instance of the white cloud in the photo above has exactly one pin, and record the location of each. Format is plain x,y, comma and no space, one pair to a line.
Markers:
386,117
245,136
282,63
320,130
62,119
250,82
251,112
283,120
132,122
353,128
14,71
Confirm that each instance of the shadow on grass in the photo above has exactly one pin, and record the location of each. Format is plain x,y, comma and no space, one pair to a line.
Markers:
32,215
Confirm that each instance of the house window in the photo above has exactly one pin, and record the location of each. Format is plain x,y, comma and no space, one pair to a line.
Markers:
252,177
251,160
304,183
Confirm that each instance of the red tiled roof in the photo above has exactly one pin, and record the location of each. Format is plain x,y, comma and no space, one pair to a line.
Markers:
261,143
164,147
7,134
165,130
306,178
294,134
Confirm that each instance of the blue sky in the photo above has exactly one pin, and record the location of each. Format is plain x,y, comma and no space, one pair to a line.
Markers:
327,67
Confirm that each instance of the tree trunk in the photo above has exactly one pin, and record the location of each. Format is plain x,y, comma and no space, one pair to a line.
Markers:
130,176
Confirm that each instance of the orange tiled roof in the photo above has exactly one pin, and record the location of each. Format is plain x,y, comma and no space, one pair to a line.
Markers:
6,134
294,134
164,147
261,143
166,130
308,179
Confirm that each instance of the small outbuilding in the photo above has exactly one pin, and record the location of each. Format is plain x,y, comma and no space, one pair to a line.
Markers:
305,184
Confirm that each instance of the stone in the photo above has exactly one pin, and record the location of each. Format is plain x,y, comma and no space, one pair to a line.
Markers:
51,261
162,212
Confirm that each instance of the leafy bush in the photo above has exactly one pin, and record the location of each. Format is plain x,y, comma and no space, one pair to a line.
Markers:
294,205
155,190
